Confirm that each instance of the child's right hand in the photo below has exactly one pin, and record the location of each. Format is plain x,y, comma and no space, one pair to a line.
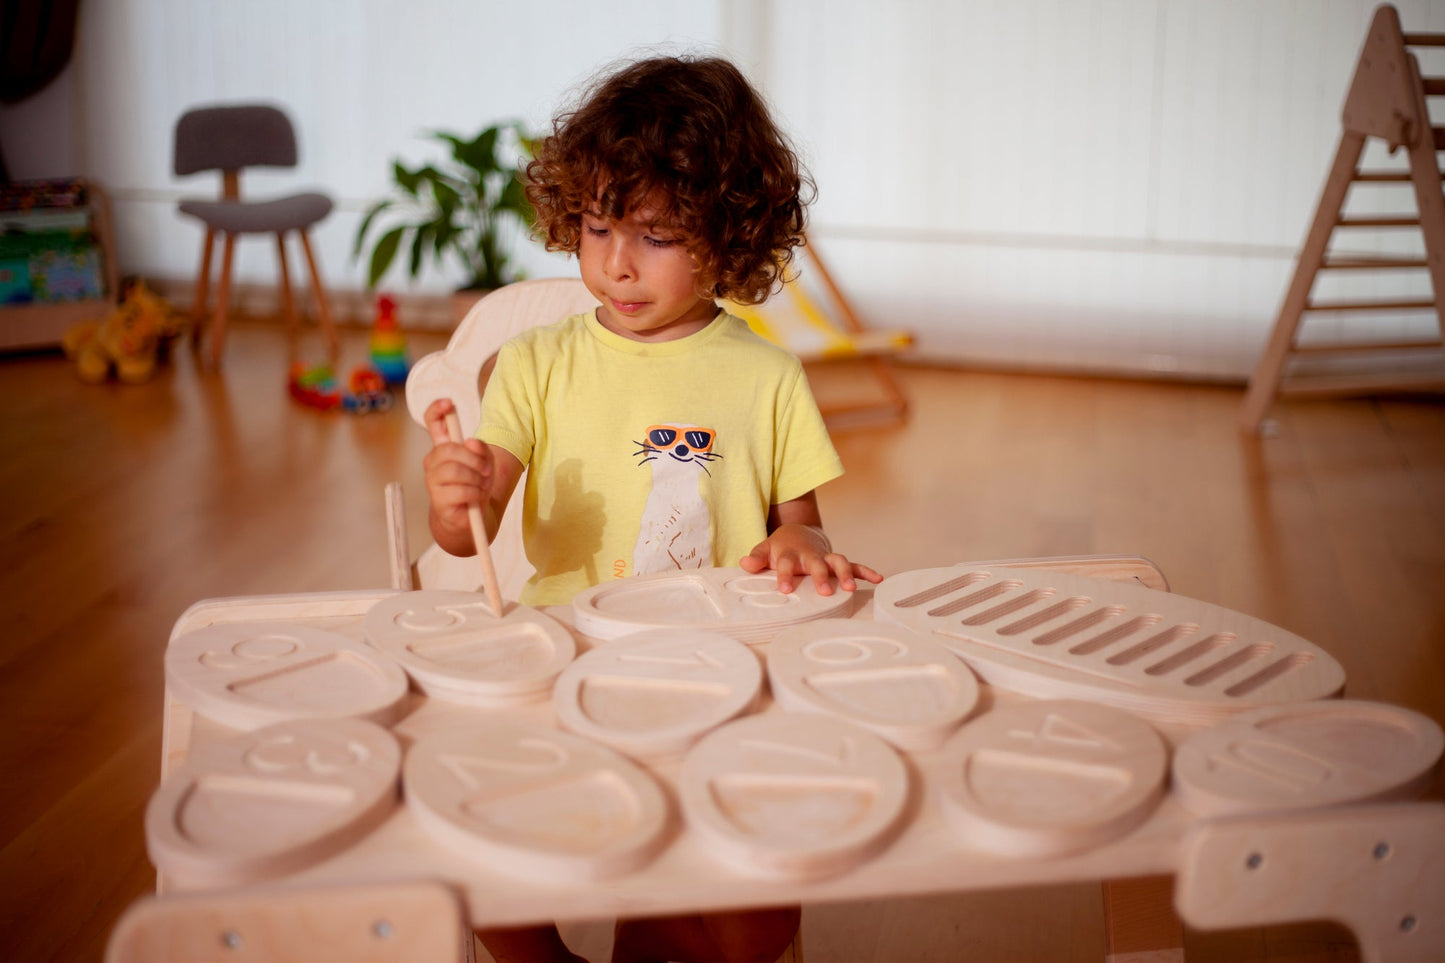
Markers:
457,477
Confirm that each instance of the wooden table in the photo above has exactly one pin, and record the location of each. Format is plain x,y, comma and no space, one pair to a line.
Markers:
1324,863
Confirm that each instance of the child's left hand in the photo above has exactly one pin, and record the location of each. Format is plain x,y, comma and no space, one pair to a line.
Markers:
799,551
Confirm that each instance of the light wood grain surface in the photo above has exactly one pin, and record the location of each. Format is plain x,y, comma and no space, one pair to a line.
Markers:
124,505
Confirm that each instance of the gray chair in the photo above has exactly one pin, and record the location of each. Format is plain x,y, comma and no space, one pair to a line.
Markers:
230,138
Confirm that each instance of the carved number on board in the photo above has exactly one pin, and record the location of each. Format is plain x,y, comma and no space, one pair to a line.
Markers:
537,757
1276,762
847,651
1065,734
761,593
438,618
285,754
252,651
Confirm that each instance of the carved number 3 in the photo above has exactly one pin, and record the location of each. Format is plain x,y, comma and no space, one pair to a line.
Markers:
285,753
438,619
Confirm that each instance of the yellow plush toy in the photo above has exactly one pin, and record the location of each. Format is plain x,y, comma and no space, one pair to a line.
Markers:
128,341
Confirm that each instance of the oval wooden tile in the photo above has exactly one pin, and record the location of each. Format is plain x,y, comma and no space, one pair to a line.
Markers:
251,674
268,802
1049,778
886,678
657,692
1054,635
534,802
456,650
796,796
746,607
1308,754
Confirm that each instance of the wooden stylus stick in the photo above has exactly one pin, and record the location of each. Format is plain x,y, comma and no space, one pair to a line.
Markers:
479,532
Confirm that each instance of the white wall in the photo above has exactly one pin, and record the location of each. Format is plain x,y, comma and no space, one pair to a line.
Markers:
1091,184
1104,185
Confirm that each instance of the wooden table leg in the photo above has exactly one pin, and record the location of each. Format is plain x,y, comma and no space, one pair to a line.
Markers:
1140,925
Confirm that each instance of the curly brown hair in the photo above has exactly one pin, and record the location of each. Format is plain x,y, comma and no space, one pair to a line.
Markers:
691,135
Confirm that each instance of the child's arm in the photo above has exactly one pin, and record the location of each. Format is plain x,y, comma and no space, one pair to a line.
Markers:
472,473
796,546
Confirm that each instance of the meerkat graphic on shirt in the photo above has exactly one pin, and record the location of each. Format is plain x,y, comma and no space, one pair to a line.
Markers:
675,532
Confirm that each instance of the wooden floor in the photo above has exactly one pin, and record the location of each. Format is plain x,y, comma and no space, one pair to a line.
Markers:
126,504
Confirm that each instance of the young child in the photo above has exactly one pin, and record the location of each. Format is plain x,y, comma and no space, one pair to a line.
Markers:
659,433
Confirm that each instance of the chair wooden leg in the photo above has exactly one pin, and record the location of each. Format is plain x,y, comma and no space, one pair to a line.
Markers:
883,371
223,297
203,288
288,304
328,329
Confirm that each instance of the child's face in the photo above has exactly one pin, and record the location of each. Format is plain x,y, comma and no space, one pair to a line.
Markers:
644,276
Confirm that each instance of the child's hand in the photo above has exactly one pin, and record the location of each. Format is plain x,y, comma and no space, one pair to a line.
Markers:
795,551
457,477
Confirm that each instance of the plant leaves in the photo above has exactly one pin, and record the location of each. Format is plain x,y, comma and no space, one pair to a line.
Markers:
514,198
457,205
479,154
447,198
418,245
376,209
382,255
405,179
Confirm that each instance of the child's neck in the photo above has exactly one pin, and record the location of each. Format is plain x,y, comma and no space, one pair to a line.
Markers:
675,330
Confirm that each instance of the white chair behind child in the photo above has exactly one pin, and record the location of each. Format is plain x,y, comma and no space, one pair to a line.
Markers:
459,372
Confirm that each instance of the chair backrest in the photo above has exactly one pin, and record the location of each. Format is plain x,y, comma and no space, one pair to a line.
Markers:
229,137
455,372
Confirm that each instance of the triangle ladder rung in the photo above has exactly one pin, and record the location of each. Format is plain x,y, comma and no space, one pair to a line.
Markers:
1424,39
1378,222
1387,177
1355,347
1371,263
1421,305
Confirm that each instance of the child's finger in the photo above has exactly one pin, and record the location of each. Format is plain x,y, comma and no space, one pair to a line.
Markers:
755,561
787,569
868,574
822,575
436,419
844,571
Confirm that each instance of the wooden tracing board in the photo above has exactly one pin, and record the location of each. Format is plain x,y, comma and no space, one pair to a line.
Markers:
457,650
746,607
534,802
1049,778
246,675
877,768
656,693
889,679
796,797
1057,636
267,802
1322,753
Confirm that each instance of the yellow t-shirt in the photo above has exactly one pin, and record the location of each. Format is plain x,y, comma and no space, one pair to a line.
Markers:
650,457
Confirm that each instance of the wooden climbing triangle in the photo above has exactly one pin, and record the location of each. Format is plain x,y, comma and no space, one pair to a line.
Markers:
1386,100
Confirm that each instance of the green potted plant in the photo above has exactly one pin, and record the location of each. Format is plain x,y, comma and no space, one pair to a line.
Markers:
454,210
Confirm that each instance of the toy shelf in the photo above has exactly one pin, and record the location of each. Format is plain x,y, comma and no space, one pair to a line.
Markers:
80,207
